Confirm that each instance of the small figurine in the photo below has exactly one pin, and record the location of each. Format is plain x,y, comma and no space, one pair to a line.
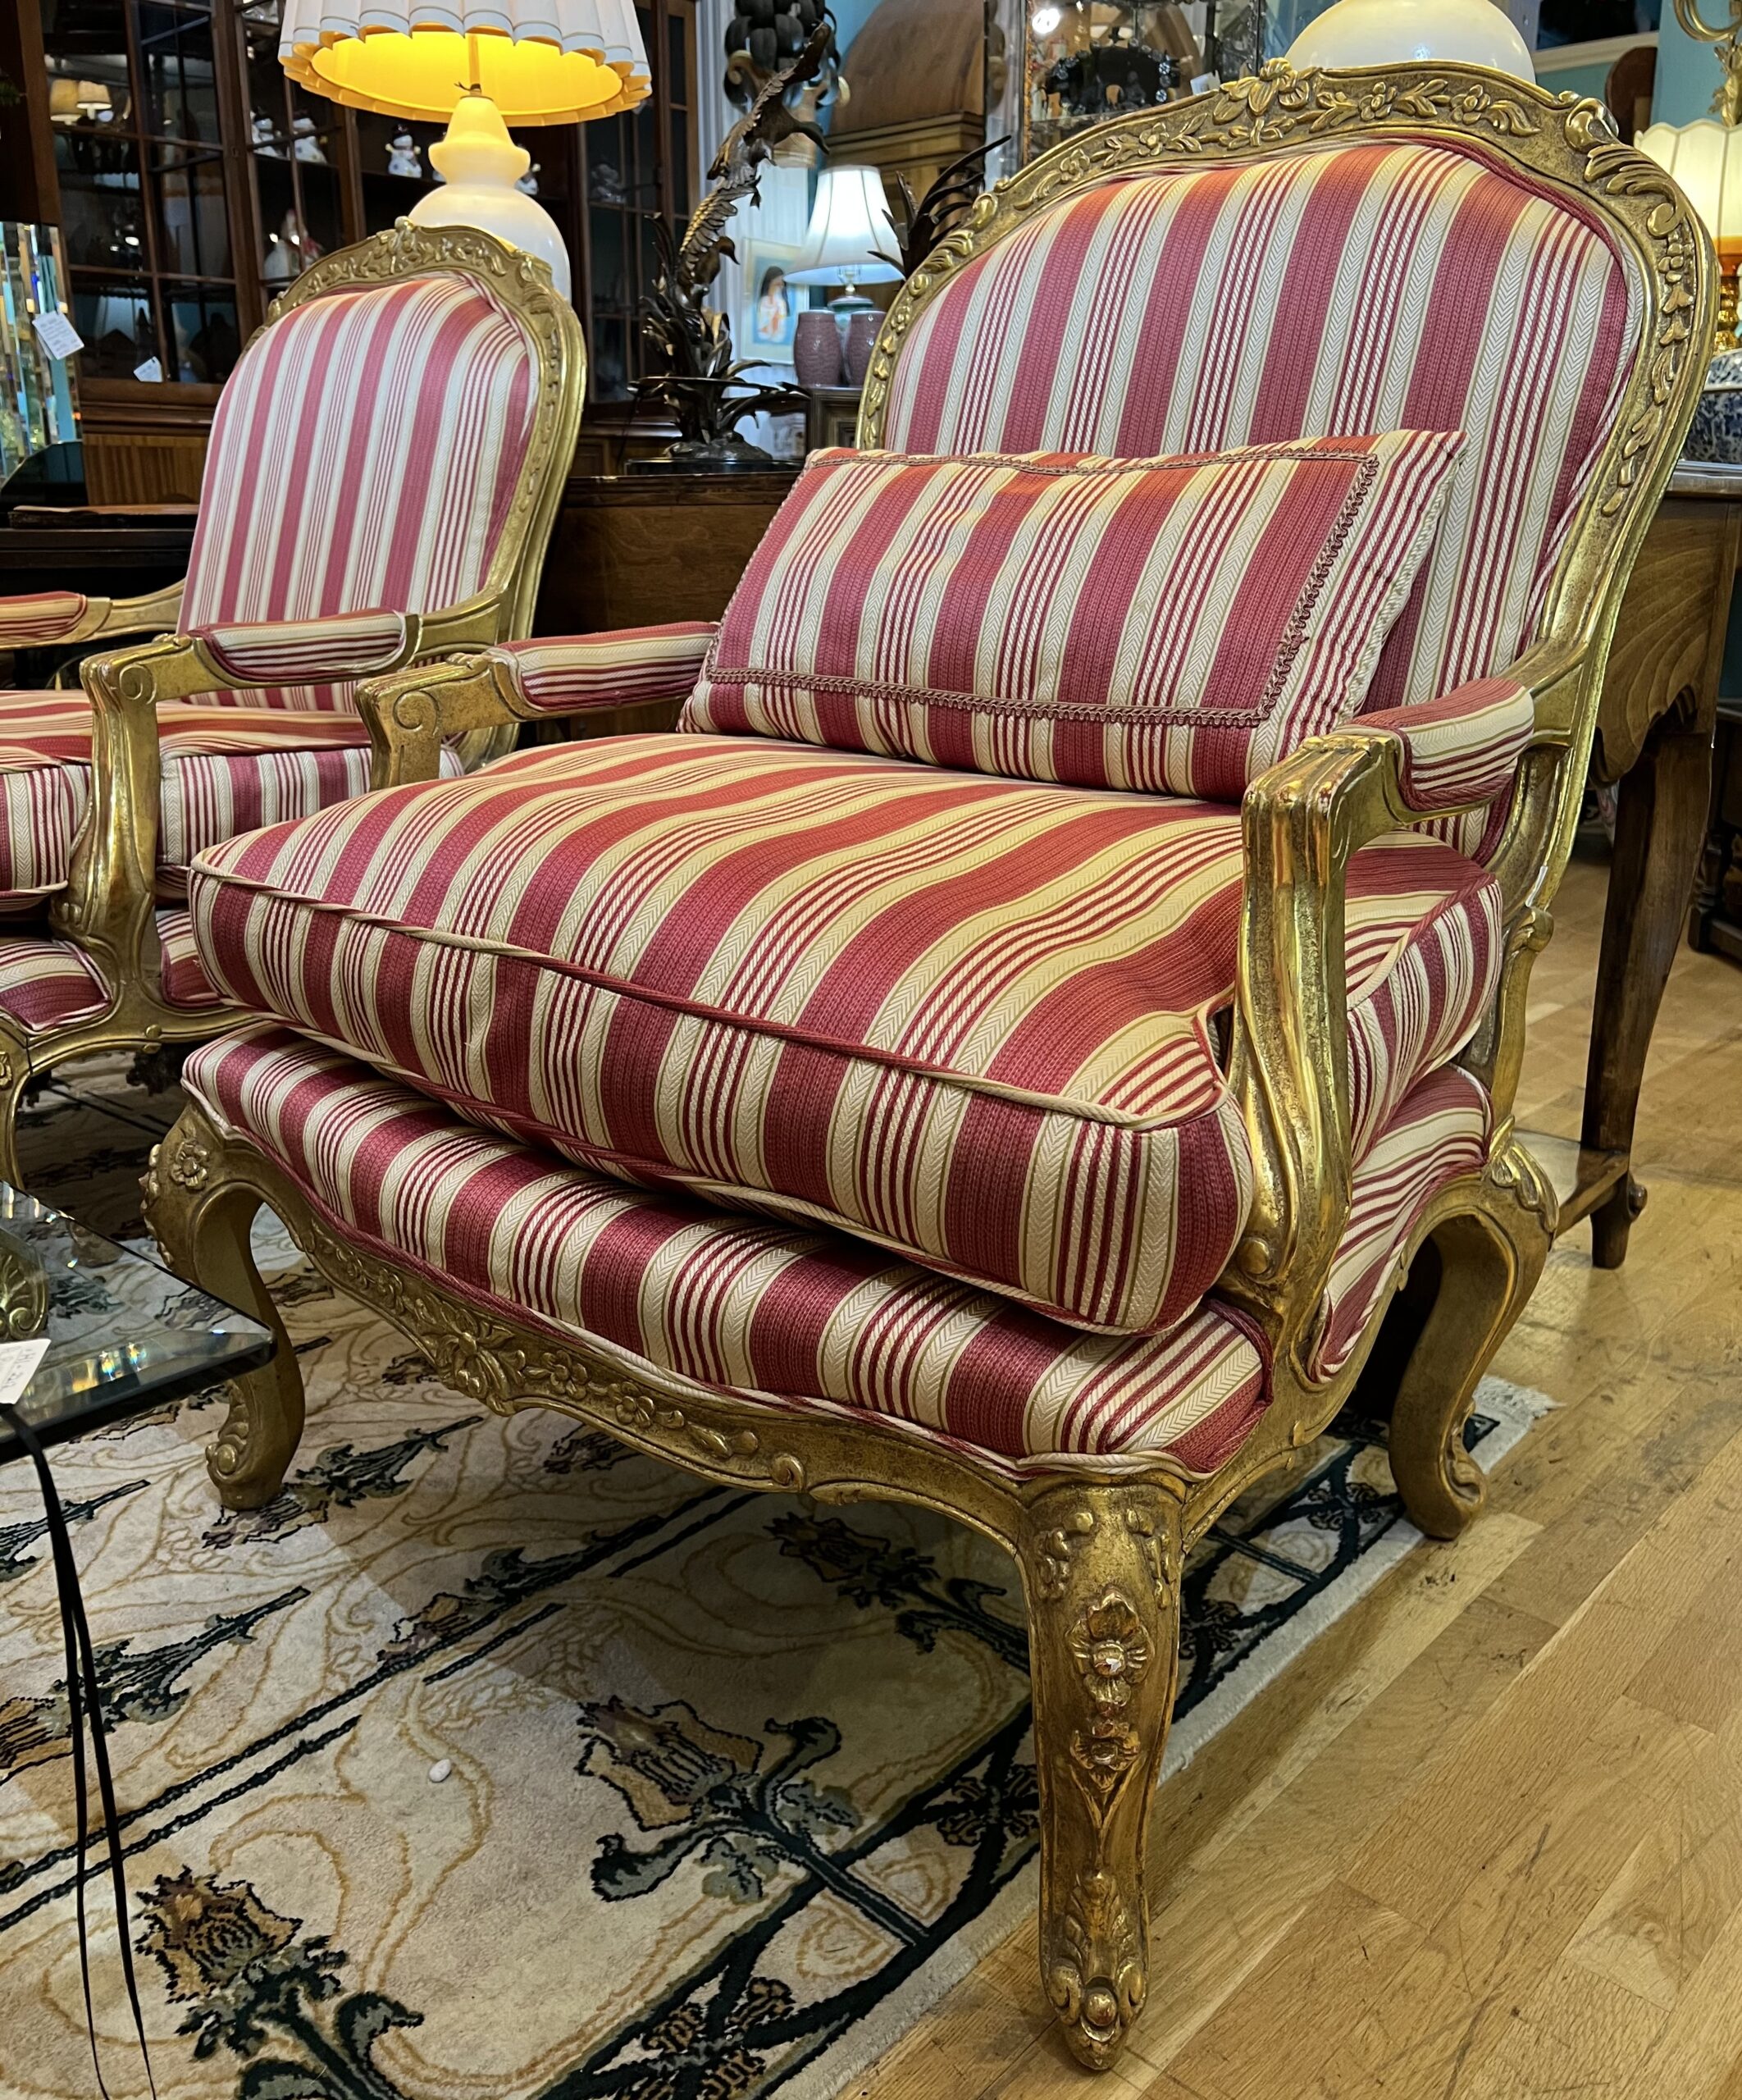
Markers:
289,252
403,156
305,145
265,137
529,182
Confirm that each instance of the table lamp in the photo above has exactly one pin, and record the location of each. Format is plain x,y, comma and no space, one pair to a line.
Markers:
1396,32
1705,158
849,220
455,60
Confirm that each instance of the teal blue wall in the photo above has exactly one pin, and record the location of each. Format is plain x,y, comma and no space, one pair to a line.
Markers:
1687,71
1579,80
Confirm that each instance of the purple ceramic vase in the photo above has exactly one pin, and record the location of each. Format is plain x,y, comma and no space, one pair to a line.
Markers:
816,349
862,334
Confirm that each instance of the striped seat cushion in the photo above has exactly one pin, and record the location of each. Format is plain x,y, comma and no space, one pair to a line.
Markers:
971,1020
794,1317
47,983
226,769
1176,624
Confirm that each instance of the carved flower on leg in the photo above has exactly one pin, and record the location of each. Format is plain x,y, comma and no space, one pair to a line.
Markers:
1111,1650
1105,1752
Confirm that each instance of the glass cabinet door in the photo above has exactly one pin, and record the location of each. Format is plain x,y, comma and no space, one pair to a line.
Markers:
638,168
132,98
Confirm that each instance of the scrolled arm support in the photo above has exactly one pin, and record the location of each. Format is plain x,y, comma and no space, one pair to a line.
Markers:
108,902
1302,822
411,714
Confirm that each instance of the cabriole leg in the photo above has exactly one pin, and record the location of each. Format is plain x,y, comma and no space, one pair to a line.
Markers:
1101,1567
201,1211
1490,1264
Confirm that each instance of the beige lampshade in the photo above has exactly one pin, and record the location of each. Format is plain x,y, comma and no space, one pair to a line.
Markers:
849,219
1398,32
1705,158
541,62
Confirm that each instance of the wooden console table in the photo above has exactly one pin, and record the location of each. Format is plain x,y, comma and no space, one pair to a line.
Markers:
1654,731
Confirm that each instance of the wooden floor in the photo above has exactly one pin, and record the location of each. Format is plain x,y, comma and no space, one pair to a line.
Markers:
1486,1838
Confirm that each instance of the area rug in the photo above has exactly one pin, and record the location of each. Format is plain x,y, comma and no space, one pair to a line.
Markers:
491,1761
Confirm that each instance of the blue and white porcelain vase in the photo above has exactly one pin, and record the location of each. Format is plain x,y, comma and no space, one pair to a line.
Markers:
1717,434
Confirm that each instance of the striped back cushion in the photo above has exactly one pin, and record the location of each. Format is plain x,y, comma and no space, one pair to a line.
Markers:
1347,288
364,454
1170,624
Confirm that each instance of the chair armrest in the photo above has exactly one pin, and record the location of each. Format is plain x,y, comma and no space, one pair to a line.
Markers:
1302,822
412,713
332,651
625,667
43,619
1461,750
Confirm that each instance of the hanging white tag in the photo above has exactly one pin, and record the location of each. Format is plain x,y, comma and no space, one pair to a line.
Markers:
18,1363
152,369
56,334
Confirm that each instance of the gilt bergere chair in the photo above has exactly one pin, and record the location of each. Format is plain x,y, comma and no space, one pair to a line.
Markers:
1016,1107
385,468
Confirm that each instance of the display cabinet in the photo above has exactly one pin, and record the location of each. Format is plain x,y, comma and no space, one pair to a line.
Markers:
196,181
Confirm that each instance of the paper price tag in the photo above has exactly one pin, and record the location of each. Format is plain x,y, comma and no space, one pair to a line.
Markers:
150,370
56,334
18,1363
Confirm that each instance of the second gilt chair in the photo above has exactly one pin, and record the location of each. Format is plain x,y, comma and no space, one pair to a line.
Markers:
385,468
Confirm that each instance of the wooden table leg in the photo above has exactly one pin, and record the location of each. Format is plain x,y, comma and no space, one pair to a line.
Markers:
1659,831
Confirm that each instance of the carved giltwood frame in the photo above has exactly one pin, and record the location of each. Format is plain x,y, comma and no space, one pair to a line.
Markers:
1100,1542
108,905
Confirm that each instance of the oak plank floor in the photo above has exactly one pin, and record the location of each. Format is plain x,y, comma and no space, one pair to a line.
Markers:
1483,1841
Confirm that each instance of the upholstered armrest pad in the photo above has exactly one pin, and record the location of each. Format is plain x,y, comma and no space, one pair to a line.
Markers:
1461,749
41,617
623,667
334,650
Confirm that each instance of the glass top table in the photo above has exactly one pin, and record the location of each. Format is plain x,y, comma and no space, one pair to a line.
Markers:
124,1335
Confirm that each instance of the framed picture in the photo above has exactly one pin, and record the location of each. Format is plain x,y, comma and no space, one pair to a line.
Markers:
772,304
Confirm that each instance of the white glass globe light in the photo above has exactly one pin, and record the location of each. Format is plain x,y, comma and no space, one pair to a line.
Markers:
1400,32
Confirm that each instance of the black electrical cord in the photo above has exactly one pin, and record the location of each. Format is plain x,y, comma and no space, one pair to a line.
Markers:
85,1697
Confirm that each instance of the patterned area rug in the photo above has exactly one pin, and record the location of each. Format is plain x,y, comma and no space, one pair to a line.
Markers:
491,1761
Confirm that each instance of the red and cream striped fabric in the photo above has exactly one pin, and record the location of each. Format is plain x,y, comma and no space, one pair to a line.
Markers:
1463,747
1336,288
342,647
365,453
809,1318
1439,1132
625,667
967,1019
185,983
1176,624
226,769
40,617
47,983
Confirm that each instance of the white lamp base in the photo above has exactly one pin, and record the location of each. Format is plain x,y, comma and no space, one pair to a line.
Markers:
1402,32
482,165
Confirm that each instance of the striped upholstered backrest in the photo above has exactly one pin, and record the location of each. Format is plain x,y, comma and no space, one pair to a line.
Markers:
1339,290
365,453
